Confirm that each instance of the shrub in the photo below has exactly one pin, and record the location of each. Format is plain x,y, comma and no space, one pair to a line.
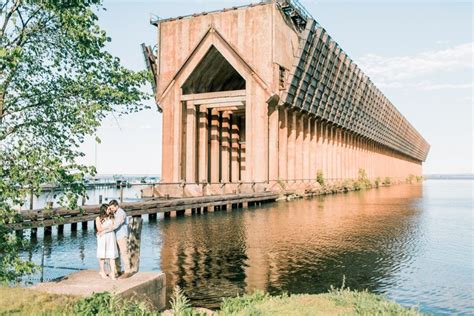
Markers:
387,180
377,182
419,178
410,179
348,185
231,306
363,181
105,303
320,177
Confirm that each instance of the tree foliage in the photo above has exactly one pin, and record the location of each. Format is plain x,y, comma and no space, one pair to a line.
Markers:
57,82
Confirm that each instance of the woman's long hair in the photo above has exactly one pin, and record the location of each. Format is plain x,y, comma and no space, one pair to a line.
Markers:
103,212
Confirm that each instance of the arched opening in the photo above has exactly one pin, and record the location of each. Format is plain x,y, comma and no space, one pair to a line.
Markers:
213,121
213,74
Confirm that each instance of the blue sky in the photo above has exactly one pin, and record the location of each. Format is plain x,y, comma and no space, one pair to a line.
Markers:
419,53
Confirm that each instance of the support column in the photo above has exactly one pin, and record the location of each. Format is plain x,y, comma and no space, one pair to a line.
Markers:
203,158
312,150
330,166
291,144
319,147
190,142
225,148
338,154
273,139
325,149
283,144
214,147
306,147
299,146
243,149
235,148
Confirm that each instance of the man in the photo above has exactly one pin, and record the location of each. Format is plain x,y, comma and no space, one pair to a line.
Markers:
121,233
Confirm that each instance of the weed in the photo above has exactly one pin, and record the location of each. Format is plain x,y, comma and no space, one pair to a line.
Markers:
320,177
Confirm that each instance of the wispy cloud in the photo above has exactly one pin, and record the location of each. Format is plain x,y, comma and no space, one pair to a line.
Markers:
402,71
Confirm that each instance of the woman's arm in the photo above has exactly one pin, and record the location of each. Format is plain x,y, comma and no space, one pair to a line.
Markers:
109,228
98,225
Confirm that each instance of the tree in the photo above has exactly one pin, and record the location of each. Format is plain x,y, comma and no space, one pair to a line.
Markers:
57,82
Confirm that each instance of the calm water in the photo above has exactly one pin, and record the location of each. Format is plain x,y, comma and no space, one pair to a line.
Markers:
413,243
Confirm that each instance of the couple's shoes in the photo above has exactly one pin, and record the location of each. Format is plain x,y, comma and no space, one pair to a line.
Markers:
105,276
124,275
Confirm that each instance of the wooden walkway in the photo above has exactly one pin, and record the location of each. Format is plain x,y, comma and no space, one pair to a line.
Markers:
61,216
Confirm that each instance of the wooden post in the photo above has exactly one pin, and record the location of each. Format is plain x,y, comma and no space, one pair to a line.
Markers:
135,227
34,231
84,224
31,200
121,192
47,230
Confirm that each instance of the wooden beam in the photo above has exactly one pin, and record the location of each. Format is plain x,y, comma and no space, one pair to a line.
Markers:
213,95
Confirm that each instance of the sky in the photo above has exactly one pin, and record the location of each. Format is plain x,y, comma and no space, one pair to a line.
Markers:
419,53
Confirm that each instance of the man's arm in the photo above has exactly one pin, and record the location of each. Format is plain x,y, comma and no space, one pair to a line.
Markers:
119,219
106,230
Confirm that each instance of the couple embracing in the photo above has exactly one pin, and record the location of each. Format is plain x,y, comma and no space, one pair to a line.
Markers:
112,237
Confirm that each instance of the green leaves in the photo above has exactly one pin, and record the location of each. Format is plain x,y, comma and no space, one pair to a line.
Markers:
57,82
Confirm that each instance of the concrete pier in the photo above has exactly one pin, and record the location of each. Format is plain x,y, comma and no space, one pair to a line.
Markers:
148,287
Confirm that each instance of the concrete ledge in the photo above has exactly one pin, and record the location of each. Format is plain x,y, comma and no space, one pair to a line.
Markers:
147,287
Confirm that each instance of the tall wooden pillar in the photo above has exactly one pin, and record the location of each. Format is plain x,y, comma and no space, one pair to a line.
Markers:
191,147
243,148
235,149
225,147
203,142
214,146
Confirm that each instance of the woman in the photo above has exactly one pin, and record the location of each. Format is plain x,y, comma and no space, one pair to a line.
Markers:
106,242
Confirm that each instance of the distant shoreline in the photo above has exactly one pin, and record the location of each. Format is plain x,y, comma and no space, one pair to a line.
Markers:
449,176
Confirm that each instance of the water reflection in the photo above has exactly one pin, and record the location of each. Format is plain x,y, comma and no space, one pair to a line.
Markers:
412,243
205,258
301,246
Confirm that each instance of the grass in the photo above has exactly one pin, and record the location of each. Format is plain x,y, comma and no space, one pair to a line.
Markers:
336,302
20,301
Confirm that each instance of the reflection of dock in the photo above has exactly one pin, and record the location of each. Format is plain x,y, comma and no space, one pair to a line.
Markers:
61,216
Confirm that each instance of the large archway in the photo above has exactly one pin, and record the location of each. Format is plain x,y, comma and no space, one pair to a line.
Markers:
213,98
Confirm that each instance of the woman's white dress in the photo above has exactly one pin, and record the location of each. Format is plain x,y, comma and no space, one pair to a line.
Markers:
107,243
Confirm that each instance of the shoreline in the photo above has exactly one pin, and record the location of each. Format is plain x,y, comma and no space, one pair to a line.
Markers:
23,301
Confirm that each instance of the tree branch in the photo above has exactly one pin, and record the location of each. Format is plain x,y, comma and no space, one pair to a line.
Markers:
8,16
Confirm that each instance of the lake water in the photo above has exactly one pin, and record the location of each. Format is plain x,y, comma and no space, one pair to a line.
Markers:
412,243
